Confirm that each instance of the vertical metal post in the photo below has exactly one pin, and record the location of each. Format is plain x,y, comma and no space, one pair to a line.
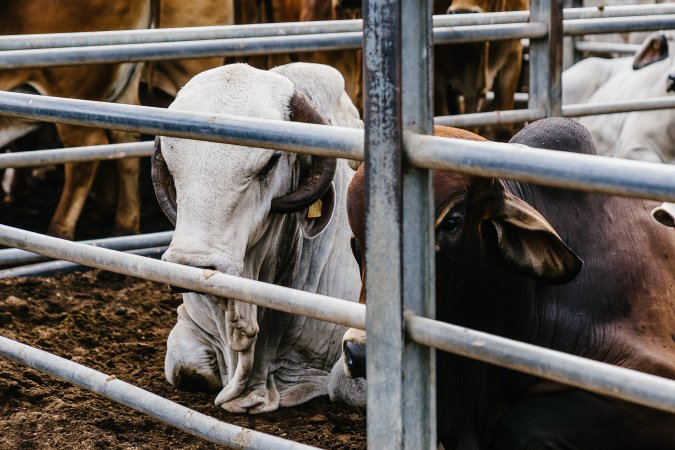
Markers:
383,153
546,58
419,362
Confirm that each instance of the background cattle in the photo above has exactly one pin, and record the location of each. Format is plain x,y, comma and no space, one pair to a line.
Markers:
111,82
464,73
503,268
641,135
233,213
170,75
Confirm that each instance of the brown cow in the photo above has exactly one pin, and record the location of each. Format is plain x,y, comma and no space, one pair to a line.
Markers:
171,75
466,72
111,82
503,268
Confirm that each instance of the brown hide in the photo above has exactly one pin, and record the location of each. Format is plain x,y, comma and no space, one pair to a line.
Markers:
618,308
97,82
169,76
348,62
471,70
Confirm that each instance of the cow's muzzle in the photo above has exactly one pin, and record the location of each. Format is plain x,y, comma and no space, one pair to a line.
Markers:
670,83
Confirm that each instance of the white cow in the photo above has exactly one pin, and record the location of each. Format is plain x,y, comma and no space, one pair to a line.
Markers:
646,135
233,213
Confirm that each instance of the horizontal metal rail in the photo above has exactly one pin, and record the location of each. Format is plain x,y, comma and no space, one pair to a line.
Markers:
606,47
606,379
51,267
14,257
34,41
164,410
480,33
234,47
491,118
643,104
618,24
572,110
19,59
70,56
546,167
316,306
37,158
293,136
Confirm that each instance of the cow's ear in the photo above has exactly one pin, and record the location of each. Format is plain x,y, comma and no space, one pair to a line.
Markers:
316,217
530,245
654,49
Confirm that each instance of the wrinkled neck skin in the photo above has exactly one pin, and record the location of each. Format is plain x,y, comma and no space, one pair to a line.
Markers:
286,350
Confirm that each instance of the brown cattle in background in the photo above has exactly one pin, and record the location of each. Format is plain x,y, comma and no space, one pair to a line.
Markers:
104,82
466,72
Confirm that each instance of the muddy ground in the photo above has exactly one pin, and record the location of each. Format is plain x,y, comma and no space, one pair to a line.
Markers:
117,325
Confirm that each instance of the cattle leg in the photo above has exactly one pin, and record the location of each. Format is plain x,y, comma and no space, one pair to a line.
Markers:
580,420
191,362
506,86
127,215
78,180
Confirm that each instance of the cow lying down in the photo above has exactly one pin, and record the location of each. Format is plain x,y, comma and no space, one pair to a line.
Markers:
244,211
509,262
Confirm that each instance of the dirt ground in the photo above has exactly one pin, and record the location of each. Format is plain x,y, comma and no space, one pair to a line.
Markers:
117,325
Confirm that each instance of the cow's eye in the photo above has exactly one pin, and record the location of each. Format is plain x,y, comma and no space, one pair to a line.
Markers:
452,222
262,173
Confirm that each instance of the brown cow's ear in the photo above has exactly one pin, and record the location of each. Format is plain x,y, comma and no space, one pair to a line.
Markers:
653,50
530,245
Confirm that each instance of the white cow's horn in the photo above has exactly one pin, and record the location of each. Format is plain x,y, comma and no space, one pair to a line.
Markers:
318,180
163,183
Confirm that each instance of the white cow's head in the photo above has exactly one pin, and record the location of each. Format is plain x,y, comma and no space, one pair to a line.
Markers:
656,47
230,203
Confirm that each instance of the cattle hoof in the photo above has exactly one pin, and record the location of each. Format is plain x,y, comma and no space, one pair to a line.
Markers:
355,359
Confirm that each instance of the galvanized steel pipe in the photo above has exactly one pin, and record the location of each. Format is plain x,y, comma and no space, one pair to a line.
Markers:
606,47
75,154
289,300
34,41
289,136
618,24
480,33
164,410
491,118
602,378
546,167
15,257
51,267
643,104
19,59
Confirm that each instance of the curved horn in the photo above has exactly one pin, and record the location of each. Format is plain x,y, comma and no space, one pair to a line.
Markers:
317,182
162,181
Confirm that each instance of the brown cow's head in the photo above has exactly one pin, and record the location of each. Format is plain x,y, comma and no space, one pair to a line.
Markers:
484,235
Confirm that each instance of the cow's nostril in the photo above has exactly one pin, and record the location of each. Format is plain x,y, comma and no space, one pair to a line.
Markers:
355,358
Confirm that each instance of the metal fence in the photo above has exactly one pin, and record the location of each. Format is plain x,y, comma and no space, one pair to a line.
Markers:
401,409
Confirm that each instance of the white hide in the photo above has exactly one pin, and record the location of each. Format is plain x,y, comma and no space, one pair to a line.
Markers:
262,358
645,135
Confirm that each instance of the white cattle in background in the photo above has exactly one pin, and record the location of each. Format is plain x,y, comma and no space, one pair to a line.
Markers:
244,211
641,135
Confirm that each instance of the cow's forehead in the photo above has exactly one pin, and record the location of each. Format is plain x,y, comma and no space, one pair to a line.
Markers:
448,185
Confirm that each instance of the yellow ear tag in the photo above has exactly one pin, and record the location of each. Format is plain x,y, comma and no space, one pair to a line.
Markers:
314,210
